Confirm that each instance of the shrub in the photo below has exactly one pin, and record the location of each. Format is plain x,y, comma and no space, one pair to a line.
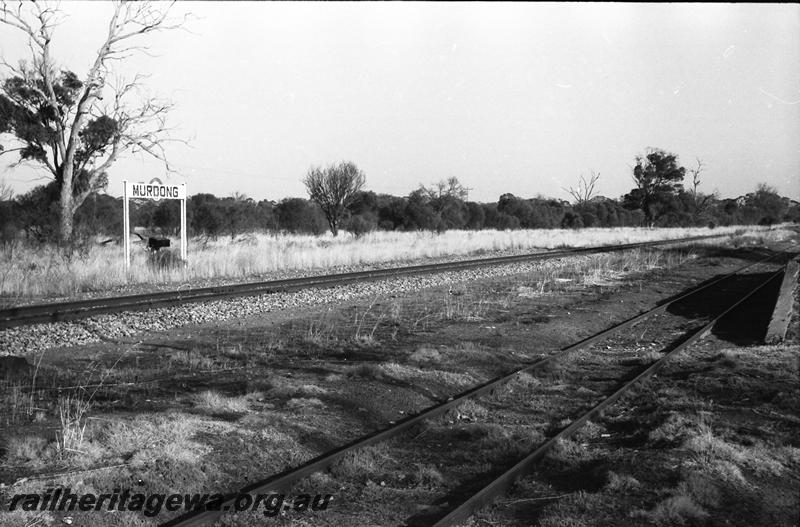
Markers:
359,225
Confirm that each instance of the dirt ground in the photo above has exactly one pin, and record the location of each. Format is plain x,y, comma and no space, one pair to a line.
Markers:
711,441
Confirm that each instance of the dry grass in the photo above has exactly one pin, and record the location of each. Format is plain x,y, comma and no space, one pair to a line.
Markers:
304,403
676,427
677,510
458,308
428,476
289,388
43,270
525,381
412,374
597,270
425,355
215,402
29,450
713,454
152,437
620,482
367,462
320,331
72,412
471,411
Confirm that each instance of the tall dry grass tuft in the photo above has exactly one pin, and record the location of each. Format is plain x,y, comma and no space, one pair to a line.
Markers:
44,270
72,415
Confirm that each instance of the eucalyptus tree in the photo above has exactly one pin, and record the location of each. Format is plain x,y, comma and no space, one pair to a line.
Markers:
659,180
77,127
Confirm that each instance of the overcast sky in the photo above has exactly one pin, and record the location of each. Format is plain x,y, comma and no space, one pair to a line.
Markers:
520,98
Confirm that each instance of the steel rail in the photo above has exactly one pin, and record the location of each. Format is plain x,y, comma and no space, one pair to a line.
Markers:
64,311
505,481
284,480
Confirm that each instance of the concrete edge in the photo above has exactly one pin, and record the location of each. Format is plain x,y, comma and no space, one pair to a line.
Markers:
782,314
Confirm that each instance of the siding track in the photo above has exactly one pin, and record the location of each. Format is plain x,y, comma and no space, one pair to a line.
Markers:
498,485
503,483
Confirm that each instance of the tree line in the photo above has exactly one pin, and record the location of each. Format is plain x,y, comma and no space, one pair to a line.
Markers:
337,201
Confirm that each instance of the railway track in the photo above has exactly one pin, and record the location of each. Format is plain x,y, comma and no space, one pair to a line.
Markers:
498,484
65,311
501,484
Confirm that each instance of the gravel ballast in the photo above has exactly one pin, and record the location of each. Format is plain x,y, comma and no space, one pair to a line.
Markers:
25,340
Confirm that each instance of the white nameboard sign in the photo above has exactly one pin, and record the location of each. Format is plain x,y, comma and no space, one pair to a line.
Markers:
154,190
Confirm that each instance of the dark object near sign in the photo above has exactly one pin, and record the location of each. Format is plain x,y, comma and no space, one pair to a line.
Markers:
155,244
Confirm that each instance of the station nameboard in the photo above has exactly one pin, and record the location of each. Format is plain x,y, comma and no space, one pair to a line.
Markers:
154,190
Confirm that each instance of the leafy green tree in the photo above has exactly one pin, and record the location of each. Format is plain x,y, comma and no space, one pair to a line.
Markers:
765,206
658,178
207,215
265,215
37,213
298,215
99,214
239,213
391,212
476,216
419,213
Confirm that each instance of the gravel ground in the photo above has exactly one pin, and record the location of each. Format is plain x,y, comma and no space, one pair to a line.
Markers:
134,289
26,340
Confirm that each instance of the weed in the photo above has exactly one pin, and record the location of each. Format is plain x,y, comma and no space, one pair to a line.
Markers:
650,356
621,482
424,354
567,452
366,371
28,450
422,320
675,428
18,403
410,373
677,510
428,476
320,332
469,410
590,430
367,338
727,359
72,411
302,403
458,308
525,381
703,488
192,360
151,437
215,402
715,454
367,462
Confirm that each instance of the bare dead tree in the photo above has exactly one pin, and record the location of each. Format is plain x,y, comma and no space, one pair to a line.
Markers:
61,121
695,172
700,200
333,189
446,188
585,190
